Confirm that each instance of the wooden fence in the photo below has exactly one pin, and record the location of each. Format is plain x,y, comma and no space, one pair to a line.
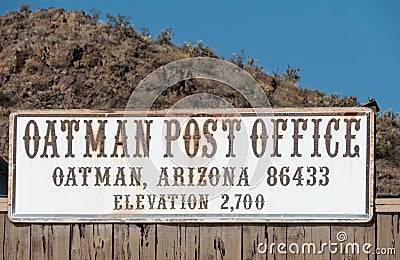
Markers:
197,241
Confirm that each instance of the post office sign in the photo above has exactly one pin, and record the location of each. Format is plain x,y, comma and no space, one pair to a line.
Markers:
192,166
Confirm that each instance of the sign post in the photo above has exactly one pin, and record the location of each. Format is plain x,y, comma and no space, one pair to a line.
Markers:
186,166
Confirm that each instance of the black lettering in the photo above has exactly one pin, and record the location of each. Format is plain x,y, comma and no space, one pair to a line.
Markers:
116,202
191,176
178,174
213,176
139,199
71,177
27,137
202,178
161,202
192,201
169,137
95,142
183,199
229,178
209,137
69,125
59,176
120,139
316,137
172,198
243,177
136,176
141,139
350,137
152,200
163,177
296,136
328,137
101,178
120,177
255,137
191,138
84,171
50,140
229,124
128,206
203,201
277,136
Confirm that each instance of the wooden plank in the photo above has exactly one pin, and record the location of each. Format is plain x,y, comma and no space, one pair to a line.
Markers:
318,234
220,242
381,201
17,240
305,241
133,241
148,241
338,231
190,241
355,234
387,208
295,237
59,238
365,233
91,241
3,217
276,234
102,241
82,241
387,205
3,204
388,234
168,241
39,242
126,241
253,235
50,241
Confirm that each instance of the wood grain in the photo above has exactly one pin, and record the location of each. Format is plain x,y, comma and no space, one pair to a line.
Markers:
276,234
17,240
168,241
253,235
221,241
388,234
3,217
193,241
126,241
190,239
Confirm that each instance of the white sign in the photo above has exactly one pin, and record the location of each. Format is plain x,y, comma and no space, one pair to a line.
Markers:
280,165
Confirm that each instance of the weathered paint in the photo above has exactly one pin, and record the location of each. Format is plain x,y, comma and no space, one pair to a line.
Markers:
347,197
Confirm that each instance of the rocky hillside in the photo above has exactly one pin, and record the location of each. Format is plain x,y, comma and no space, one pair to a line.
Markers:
58,59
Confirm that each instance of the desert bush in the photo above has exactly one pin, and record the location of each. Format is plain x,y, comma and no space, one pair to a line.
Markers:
33,65
24,7
146,35
249,63
4,99
144,31
199,50
189,48
252,65
238,58
121,22
388,136
95,14
165,36
291,74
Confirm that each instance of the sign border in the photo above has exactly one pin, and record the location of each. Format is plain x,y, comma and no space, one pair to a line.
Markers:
211,218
